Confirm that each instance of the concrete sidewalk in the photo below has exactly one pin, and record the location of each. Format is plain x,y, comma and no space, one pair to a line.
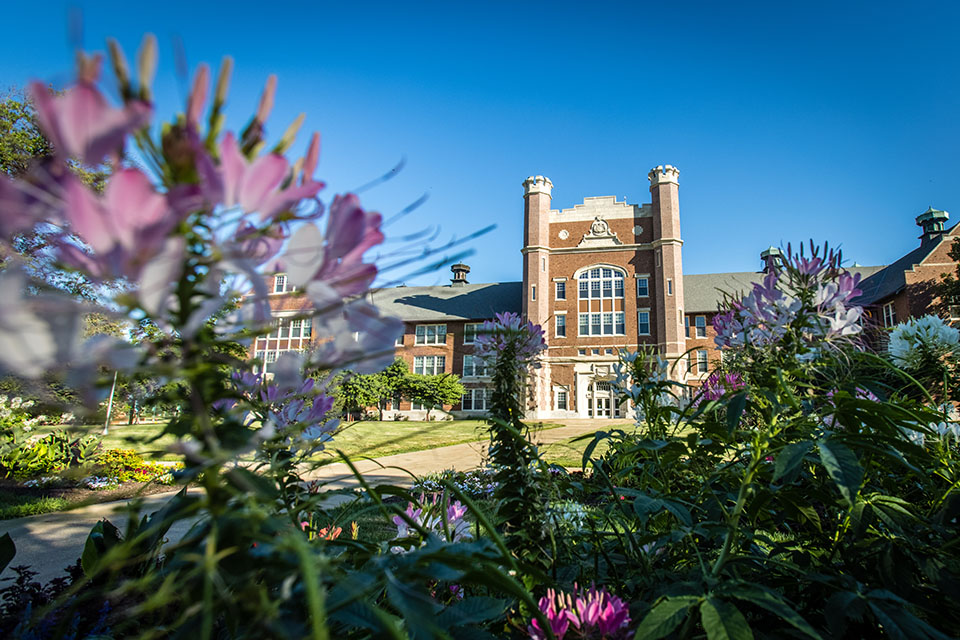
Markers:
50,542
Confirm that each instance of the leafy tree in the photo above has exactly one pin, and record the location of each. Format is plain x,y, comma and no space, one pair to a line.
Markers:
433,391
356,392
21,142
394,381
947,290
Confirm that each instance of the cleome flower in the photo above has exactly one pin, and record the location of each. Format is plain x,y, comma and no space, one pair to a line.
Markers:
911,342
509,328
809,297
588,614
430,515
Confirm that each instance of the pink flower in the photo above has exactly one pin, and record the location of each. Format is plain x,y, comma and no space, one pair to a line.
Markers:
594,613
257,187
80,123
127,229
337,258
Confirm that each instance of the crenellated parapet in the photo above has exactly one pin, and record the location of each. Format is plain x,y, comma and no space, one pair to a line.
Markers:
537,184
663,174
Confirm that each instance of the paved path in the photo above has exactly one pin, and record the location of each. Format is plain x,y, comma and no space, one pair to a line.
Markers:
50,542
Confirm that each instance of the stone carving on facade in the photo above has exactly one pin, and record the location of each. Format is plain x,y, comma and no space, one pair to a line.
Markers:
599,235
602,371
564,234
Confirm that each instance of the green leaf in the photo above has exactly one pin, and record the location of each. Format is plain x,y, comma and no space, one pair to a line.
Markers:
645,506
665,617
735,409
844,468
103,536
774,603
471,611
789,459
723,621
679,511
7,551
250,482
597,438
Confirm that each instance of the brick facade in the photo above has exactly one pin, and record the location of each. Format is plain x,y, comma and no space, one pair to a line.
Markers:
601,276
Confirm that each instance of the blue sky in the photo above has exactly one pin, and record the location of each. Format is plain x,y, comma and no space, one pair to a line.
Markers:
832,121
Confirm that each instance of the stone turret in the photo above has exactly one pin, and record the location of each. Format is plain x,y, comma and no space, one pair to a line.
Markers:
537,197
668,260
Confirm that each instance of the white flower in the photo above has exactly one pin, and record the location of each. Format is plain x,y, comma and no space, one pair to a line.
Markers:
911,339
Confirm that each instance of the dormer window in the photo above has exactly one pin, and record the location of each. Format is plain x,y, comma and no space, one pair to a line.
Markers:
280,283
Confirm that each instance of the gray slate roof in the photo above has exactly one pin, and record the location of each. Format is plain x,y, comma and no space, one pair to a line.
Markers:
702,293
449,303
890,279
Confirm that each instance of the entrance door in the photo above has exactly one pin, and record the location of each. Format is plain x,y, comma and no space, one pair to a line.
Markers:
603,407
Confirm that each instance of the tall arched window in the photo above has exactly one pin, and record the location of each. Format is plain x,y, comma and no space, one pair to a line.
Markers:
600,282
600,301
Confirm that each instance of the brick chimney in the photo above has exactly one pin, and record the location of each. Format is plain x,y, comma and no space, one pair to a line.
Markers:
931,221
460,272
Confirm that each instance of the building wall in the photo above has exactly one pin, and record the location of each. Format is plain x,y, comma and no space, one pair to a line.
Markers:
640,241
637,241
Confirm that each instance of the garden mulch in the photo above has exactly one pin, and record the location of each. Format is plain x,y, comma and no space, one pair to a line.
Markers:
50,542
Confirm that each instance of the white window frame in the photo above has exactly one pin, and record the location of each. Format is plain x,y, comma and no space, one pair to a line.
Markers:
438,365
599,283
597,323
889,311
280,283
563,392
700,329
470,332
640,324
646,287
560,321
475,367
482,394
703,361
282,330
438,330
560,290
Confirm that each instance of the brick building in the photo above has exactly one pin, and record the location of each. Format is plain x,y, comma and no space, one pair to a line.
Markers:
601,276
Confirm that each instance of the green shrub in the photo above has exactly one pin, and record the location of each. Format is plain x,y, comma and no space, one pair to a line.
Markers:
23,457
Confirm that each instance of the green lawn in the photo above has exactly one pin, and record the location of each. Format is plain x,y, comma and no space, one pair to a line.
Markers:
375,439
569,453
368,438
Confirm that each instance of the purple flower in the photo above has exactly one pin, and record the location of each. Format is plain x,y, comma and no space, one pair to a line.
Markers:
428,514
592,613
716,386
508,329
335,258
